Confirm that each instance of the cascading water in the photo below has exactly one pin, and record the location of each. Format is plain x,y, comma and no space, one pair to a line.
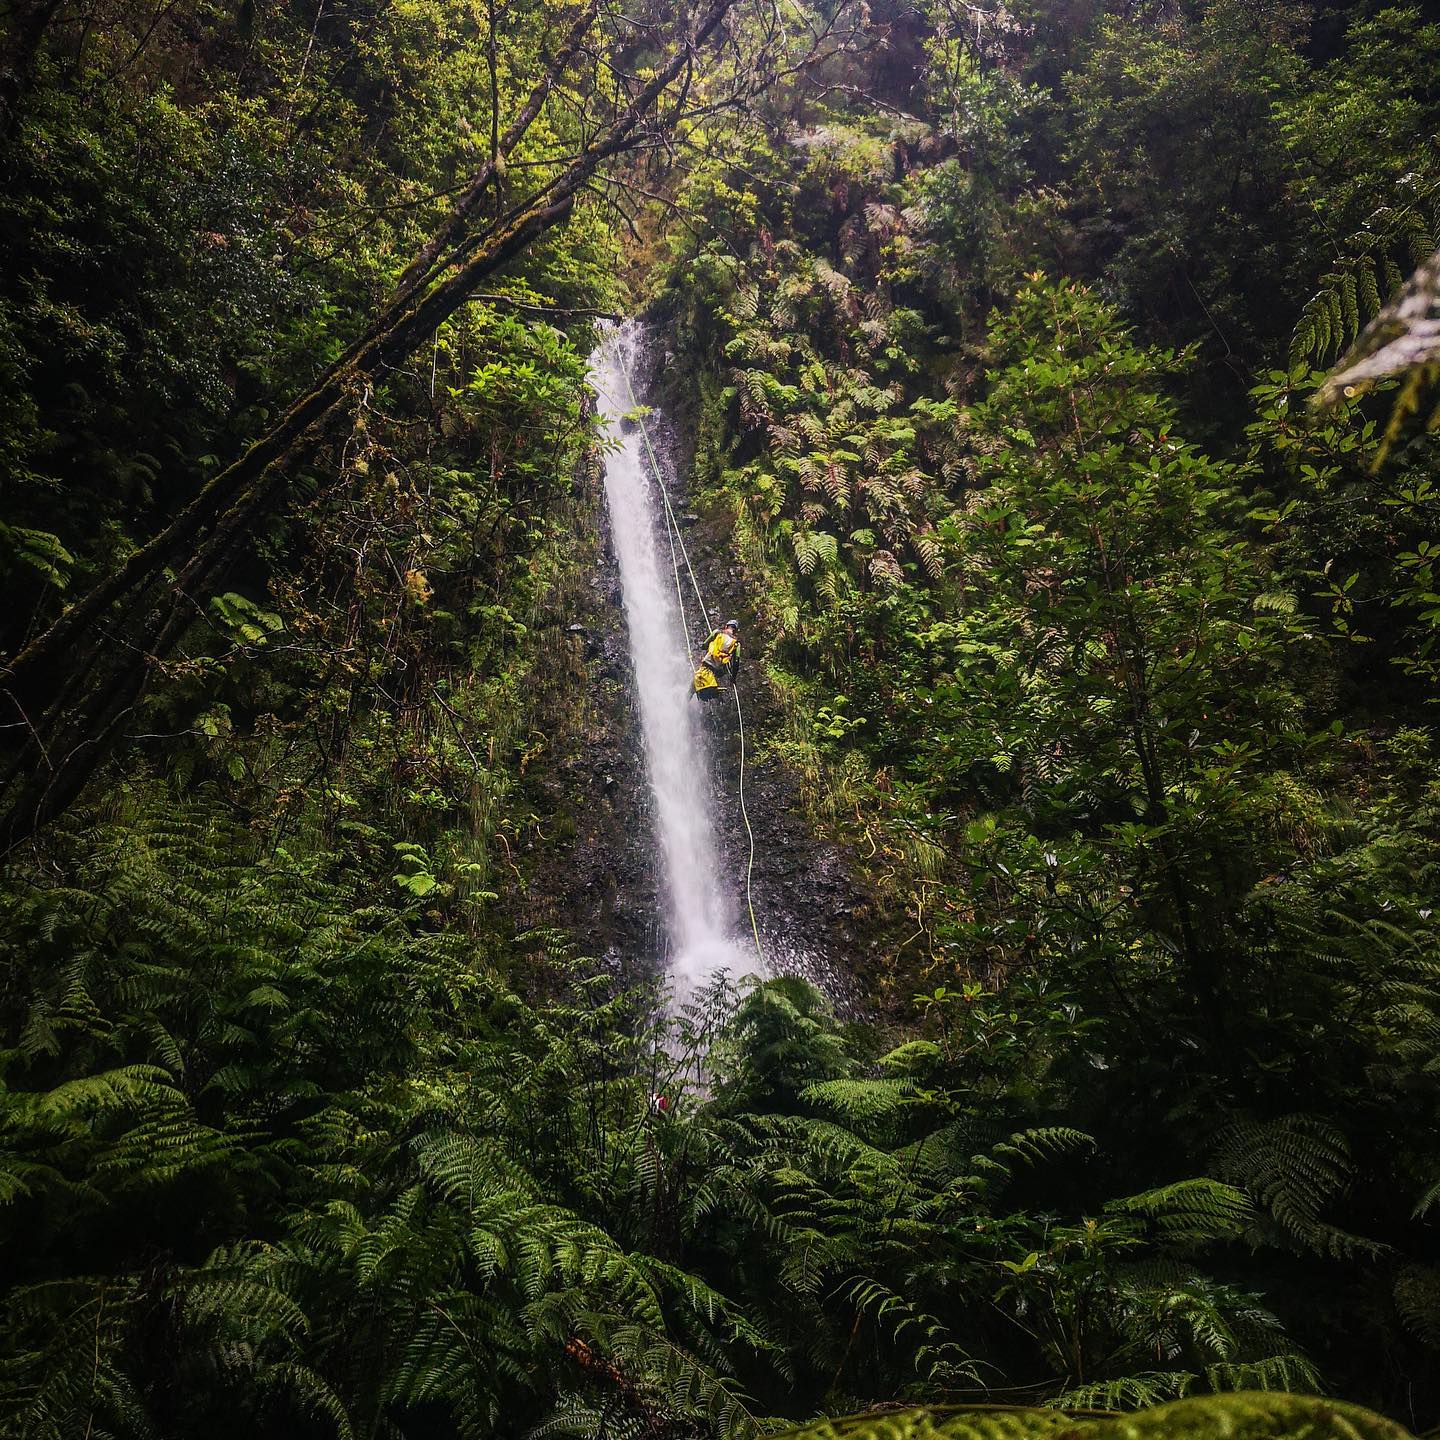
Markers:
701,918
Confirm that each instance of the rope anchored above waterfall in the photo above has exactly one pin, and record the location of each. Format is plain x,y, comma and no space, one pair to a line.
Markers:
722,641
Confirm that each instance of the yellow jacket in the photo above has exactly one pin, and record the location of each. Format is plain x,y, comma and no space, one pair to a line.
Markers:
721,648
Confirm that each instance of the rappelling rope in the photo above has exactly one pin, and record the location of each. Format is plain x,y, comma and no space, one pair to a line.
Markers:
672,528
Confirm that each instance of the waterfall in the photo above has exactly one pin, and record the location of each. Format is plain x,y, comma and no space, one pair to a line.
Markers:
701,910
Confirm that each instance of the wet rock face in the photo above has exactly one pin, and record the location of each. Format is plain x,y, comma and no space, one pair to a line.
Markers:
805,896
810,902
597,879
601,878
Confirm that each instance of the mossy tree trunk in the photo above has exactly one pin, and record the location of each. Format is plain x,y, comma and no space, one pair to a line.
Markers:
70,689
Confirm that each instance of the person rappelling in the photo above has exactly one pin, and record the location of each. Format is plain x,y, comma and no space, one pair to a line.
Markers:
719,661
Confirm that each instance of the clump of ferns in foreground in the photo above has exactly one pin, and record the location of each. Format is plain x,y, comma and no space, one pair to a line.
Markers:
336,1168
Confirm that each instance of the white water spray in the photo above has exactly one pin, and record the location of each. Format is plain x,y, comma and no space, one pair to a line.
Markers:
702,915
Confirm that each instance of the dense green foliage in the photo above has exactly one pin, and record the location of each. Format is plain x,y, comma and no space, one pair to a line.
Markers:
1116,668
1106,655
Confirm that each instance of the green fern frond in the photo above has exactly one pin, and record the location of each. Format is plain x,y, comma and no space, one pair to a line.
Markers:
1128,1392
1191,1211
1417,1298
860,1099
1292,1166
1040,1145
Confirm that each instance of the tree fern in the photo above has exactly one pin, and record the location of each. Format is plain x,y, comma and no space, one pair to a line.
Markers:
1292,1166
1402,340
1192,1211
1395,239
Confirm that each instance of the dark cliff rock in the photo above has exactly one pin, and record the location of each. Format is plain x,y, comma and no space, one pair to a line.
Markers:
598,877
